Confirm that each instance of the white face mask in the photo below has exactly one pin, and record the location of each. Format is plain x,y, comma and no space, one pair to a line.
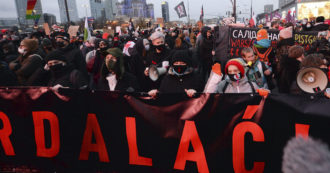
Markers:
21,51
147,47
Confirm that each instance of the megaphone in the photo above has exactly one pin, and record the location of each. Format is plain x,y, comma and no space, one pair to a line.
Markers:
312,80
155,72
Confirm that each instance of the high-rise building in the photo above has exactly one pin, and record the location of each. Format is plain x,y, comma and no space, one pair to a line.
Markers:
135,8
268,8
50,19
72,8
165,11
101,9
21,13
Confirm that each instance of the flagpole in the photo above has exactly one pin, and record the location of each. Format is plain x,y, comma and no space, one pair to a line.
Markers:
188,13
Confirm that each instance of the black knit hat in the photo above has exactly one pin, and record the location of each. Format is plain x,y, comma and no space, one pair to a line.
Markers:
181,55
55,55
65,36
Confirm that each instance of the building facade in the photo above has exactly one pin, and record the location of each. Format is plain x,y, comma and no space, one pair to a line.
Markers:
305,8
101,9
21,13
165,12
268,8
72,8
135,8
50,19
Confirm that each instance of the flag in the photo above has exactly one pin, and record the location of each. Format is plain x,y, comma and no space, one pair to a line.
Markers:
202,15
87,33
29,10
252,20
181,10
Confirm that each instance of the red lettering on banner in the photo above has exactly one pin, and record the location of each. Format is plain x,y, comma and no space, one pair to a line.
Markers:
302,130
238,146
5,132
190,135
39,132
134,158
93,127
250,111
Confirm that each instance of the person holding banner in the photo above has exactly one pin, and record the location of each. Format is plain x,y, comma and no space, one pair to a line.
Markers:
236,81
114,76
181,77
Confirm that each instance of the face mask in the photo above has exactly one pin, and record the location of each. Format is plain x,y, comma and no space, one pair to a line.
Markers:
56,68
179,69
308,26
111,65
60,44
21,51
160,47
147,47
103,49
235,77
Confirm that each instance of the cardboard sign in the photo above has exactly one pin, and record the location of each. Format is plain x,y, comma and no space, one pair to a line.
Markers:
73,30
46,28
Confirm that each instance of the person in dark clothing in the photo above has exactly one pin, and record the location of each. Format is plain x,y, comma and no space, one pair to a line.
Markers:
181,43
170,39
113,74
181,77
158,56
288,68
138,61
72,54
7,77
320,25
9,51
100,55
64,74
27,63
46,46
205,50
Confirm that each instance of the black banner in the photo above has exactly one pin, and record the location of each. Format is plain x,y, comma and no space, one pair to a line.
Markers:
245,37
82,131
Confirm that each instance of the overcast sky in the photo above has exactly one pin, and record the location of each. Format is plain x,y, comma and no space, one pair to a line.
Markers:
212,8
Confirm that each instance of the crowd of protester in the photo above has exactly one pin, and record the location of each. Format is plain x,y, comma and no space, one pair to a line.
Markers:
161,60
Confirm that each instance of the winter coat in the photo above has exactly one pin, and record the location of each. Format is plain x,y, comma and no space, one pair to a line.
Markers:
287,74
68,77
320,27
7,77
25,66
127,83
74,56
173,83
242,86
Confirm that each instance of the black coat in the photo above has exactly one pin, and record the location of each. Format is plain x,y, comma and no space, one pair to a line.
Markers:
74,56
68,77
287,74
7,77
128,83
177,84
320,27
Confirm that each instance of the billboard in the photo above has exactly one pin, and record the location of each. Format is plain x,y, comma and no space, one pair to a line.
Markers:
313,10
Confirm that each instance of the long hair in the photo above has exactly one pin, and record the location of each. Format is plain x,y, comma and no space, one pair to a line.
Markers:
178,41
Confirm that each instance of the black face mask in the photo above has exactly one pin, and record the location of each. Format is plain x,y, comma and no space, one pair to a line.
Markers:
180,69
160,47
60,44
235,77
56,68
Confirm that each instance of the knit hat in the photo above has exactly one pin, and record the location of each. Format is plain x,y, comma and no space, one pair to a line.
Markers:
63,35
30,44
46,42
262,34
116,52
55,55
181,55
237,63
